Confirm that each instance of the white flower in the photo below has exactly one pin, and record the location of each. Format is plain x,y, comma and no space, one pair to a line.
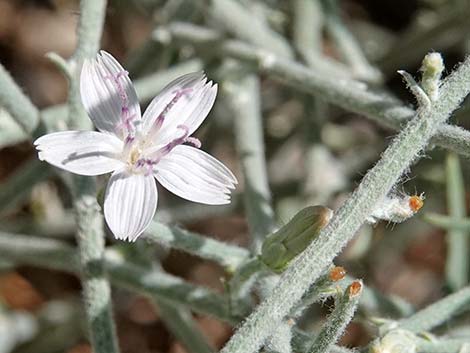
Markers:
138,148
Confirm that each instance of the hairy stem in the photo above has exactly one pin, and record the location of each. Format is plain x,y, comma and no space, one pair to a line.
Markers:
457,265
90,235
348,94
375,185
438,312
342,314
16,103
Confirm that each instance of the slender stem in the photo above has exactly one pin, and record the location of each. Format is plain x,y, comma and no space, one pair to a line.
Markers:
308,27
90,235
348,94
375,185
448,29
443,345
347,45
230,256
10,132
336,323
245,103
447,222
438,312
96,289
58,255
234,17
458,241
17,187
16,103
180,321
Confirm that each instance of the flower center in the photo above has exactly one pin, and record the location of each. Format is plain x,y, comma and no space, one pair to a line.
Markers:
134,155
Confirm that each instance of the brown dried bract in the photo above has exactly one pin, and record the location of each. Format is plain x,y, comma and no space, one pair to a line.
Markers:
416,202
355,288
337,273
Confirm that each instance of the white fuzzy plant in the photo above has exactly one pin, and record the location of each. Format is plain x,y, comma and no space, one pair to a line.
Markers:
296,271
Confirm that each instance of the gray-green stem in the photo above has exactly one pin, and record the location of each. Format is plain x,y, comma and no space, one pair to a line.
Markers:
377,183
439,312
90,234
348,94
16,103
458,241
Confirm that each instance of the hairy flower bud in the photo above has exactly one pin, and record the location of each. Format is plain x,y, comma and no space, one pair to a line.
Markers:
291,239
396,341
432,68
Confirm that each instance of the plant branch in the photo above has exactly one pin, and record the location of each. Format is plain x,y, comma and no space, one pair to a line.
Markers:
458,241
16,103
90,234
438,312
348,94
377,183
336,323
59,256
447,222
230,256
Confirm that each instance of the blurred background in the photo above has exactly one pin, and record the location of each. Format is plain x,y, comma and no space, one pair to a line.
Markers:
316,154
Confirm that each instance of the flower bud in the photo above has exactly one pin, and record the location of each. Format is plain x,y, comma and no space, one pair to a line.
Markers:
432,68
396,341
291,239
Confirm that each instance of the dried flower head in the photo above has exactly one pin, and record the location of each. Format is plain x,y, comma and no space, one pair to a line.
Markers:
138,148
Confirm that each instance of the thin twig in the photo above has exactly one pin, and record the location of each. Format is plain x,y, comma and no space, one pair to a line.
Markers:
348,94
375,185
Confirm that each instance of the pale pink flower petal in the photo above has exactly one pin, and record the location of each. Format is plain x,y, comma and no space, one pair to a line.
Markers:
81,152
130,204
185,101
139,151
196,176
108,95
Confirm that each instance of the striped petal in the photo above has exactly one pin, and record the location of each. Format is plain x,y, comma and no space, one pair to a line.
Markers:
81,152
130,204
196,176
185,101
108,94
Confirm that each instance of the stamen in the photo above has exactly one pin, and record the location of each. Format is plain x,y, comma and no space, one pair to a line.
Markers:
161,117
126,119
155,157
128,143
194,141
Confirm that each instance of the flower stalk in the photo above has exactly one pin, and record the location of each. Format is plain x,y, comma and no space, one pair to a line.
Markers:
377,183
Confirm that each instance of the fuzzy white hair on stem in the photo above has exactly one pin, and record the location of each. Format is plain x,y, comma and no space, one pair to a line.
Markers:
396,208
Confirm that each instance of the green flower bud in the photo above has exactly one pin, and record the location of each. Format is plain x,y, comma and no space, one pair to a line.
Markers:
291,239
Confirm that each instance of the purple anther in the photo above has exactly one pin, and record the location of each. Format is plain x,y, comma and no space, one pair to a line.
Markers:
147,164
128,142
162,152
194,141
161,117
126,118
